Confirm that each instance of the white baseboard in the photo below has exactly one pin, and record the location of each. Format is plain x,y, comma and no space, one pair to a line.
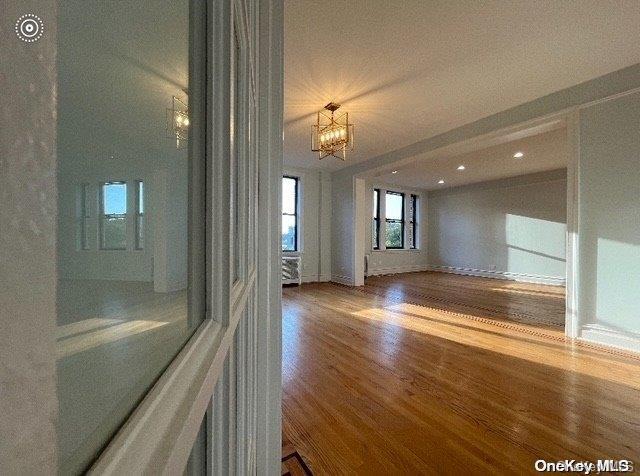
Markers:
614,338
348,280
397,269
520,277
314,278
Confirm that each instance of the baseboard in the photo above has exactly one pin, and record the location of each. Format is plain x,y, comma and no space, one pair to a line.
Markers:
397,269
348,280
314,278
520,277
614,338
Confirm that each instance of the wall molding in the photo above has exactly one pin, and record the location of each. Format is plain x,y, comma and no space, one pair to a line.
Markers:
602,335
314,278
347,280
506,275
398,269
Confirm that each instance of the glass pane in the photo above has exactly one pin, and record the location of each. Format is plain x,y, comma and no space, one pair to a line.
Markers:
394,206
114,233
376,193
394,235
123,314
140,197
114,198
288,232
289,195
237,156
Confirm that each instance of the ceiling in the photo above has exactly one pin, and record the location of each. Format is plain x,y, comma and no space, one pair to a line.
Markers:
116,77
542,152
408,70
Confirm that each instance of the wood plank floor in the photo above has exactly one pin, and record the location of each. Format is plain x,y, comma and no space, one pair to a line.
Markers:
427,373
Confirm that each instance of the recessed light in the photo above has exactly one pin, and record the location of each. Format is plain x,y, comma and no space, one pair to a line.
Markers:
461,167
518,155
441,181
394,172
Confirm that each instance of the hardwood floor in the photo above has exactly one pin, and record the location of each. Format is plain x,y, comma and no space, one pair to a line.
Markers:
428,373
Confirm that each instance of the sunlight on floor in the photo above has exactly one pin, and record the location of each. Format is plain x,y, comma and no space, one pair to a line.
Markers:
102,333
531,292
539,349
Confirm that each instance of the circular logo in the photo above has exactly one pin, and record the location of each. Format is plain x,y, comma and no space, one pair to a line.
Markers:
29,27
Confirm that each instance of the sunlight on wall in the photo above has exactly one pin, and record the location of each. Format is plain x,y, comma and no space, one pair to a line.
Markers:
618,285
535,244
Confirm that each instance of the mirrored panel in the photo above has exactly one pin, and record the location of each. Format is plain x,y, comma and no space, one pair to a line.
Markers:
127,299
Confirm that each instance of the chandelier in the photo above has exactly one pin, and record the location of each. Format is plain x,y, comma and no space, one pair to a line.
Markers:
331,135
178,122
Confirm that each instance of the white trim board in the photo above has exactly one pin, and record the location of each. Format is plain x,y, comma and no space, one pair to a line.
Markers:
348,280
314,278
506,275
397,270
601,335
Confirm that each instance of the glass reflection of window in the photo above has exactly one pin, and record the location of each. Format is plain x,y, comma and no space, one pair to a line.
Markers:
84,215
140,215
124,314
113,222
235,181
289,214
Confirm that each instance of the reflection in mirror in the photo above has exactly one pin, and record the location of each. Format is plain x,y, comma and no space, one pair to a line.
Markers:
124,188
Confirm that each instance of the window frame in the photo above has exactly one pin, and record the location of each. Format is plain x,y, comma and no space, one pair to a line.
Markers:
395,220
376,219
83,217
295,214
414,221
104,216
140,215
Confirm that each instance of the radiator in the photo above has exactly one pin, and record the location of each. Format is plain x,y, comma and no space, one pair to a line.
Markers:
291,270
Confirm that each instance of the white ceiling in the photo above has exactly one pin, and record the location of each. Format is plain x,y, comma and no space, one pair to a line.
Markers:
407,70
542,152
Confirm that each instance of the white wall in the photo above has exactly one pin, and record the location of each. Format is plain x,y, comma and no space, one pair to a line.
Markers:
342,229
609,227
314,232
27,245
513,228
385,261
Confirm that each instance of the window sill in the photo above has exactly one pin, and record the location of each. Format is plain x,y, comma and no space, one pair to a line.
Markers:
292,253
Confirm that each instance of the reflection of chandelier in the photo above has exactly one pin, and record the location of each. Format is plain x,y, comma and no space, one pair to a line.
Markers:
332,135
178,122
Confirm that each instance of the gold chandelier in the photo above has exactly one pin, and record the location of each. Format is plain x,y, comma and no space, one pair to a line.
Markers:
178,122
331,135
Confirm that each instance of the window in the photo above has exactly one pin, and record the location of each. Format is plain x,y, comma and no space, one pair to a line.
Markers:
375,232
394,220
83,215
289,213
139,215
413,207
113,219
